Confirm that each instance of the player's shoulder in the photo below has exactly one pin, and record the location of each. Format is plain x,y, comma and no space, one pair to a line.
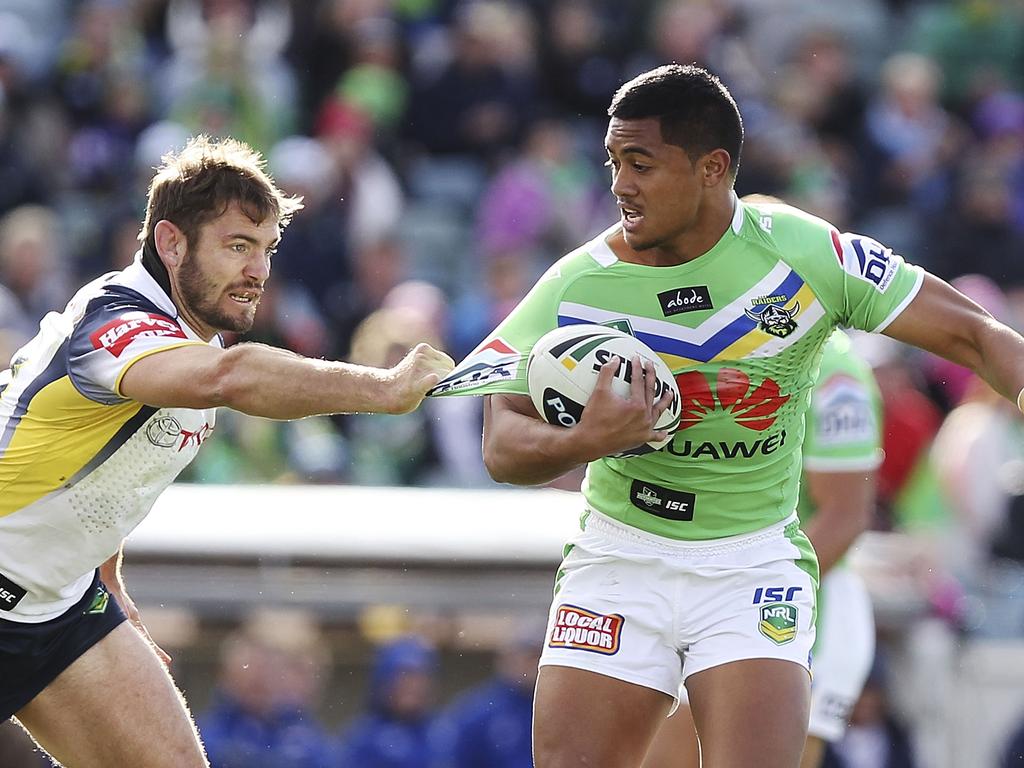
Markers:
792,232
119,306
594,255
130,290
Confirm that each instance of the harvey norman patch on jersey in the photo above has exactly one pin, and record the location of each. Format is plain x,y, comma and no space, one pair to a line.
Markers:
116,335
583,630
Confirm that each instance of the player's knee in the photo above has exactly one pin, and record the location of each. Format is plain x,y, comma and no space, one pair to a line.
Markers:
183,756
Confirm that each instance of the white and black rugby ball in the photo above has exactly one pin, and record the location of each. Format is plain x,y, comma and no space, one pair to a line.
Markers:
562,372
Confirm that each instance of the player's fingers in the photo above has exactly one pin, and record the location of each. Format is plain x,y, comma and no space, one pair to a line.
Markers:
663,402
650,382
637,381
607,373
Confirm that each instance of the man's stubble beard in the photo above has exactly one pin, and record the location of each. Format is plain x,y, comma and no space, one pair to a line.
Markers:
195,288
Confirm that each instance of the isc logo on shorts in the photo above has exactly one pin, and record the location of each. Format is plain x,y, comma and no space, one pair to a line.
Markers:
583,630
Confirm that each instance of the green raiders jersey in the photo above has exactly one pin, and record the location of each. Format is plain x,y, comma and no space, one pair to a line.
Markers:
845,417
742,328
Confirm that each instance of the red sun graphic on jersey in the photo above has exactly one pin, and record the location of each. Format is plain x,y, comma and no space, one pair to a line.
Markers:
754,408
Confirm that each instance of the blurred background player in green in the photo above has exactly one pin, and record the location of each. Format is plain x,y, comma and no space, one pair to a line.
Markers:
841,453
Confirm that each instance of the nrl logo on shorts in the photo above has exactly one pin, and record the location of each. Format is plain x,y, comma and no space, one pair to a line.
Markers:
779,622
773,316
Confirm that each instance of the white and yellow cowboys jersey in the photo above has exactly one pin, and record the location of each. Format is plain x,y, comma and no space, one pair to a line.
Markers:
80,464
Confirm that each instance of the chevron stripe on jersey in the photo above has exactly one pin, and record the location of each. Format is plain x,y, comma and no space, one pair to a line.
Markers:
729,334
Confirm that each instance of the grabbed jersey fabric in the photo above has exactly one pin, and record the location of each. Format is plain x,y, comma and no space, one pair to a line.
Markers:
742,328
80,464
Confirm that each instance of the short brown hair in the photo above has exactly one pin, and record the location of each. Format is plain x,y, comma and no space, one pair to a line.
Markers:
197,184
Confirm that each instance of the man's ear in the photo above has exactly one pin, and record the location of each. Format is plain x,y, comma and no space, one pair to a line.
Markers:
171,244
717,163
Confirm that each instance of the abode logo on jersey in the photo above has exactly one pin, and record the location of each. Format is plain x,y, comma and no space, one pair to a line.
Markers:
495,361
773,316
778,622
10,594
688,299
116,335
582,630
662,502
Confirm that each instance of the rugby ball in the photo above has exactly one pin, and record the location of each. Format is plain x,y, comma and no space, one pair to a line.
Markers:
562,371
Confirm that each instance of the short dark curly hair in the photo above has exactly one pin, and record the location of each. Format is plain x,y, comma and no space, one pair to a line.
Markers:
694,108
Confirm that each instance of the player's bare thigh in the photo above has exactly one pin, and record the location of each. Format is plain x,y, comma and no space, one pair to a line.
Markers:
115,706
584,718
675,745
751,712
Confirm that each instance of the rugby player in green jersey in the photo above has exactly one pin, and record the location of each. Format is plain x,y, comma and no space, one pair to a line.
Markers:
102,410
690,564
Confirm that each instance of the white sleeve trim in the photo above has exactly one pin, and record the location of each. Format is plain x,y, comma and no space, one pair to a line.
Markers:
903,304
857,464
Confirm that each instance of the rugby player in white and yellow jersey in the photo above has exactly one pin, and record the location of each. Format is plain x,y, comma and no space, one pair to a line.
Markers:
102,410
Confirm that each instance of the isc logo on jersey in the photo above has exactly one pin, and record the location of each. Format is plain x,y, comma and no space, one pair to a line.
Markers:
116,335
583,630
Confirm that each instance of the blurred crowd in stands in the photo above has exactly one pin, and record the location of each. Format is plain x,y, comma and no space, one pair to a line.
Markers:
450,150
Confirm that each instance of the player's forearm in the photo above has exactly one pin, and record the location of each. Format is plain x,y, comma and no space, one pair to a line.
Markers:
278,384
521,450
831,540
998,357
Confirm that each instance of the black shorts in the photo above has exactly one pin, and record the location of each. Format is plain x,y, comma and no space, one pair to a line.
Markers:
32,655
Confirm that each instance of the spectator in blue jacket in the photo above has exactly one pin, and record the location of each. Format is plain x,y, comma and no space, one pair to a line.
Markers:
261,715
396,731
489,726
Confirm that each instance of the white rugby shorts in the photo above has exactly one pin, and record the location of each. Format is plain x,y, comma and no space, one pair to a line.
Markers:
652,611
843,653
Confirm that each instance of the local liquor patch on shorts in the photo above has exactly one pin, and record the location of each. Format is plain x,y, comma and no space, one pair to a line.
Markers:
652,611
585,630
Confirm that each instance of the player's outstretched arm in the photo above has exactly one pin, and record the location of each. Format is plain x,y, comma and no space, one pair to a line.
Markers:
522,449
944,321
277,384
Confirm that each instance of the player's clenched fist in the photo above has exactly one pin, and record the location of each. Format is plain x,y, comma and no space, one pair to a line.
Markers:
420,370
